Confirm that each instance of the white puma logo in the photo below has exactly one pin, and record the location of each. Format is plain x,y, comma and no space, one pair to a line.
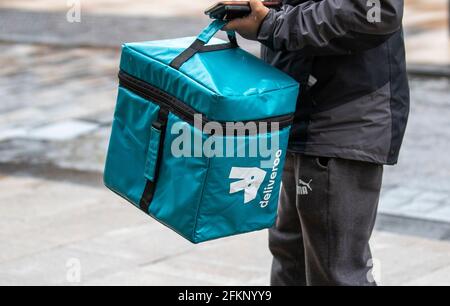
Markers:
302,188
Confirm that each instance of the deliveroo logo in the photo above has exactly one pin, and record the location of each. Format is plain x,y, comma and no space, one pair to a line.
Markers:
250,179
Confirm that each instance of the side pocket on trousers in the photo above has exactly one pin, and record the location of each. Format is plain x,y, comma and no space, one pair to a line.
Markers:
323,162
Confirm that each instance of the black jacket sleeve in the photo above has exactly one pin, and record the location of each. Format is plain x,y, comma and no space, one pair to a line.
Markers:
331,27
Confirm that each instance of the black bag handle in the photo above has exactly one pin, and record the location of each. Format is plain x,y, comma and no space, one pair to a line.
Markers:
200,44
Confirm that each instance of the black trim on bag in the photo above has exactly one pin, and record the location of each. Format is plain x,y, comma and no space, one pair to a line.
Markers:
149,190
220,47
182,110
187,54
199,46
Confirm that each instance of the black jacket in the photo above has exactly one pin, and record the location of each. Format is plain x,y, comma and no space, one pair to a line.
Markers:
354,101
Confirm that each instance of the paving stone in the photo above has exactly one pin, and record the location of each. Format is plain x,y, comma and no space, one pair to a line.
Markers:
140,244
102,30
137,7
50,268
393,199
14,249
145,277
441,213
216,262
418,206
438,278
11,134
38,205
61,229
404,258
213,263
113,22
62,131
29,198
118,245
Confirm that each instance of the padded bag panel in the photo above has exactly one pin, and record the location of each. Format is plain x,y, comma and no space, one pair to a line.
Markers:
224,213
198,197
180,183
127,154
249,89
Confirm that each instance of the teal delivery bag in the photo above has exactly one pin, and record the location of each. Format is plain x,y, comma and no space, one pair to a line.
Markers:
200,134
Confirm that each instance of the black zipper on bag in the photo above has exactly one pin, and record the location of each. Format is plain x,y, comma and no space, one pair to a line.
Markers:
180,109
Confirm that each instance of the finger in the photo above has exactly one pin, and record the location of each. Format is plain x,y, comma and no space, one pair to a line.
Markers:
228,27
256,4
233,25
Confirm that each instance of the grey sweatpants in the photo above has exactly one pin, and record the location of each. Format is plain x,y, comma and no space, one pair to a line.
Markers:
325,219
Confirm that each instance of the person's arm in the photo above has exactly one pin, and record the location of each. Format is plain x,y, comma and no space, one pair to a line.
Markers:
325,27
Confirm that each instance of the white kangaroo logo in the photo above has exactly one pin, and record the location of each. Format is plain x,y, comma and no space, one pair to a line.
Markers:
250,179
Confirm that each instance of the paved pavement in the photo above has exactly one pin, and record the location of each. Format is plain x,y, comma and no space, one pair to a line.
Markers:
55,115
427,31
117,7
104,25
110,23
53,222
